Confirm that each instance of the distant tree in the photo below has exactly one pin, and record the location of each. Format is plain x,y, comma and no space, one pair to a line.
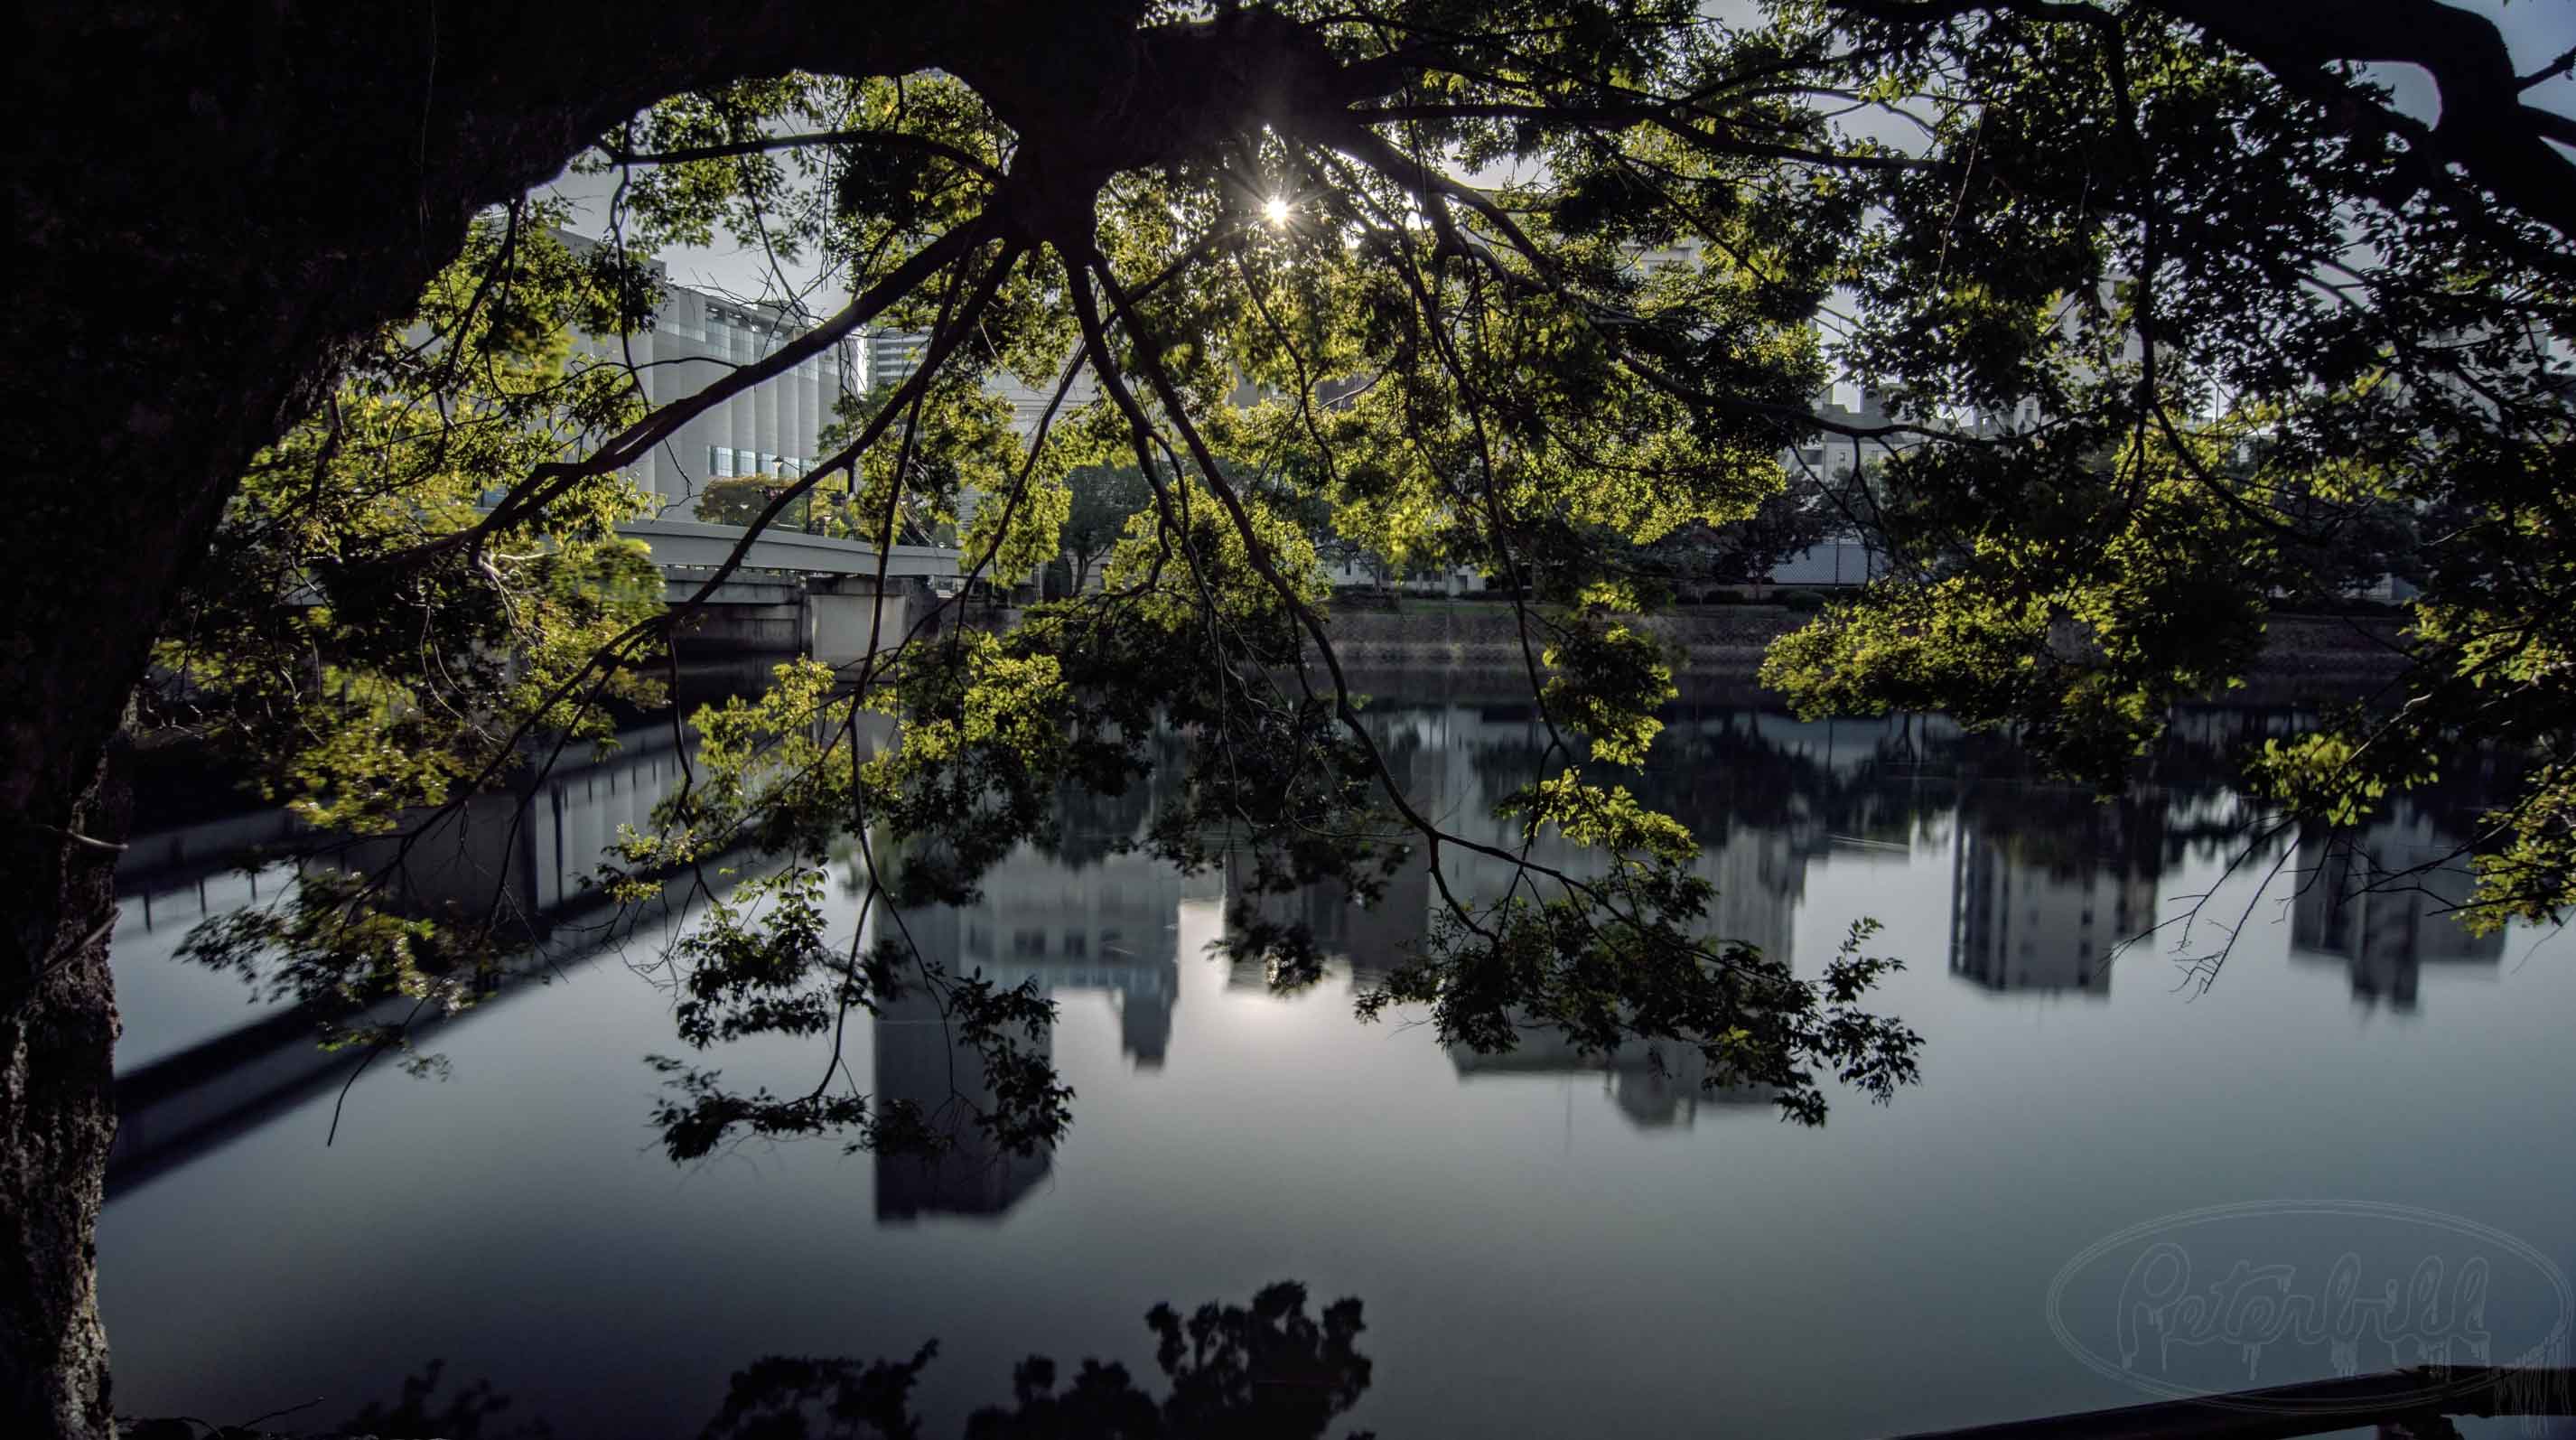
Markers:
743,499
1747,551
1105,497
2176,227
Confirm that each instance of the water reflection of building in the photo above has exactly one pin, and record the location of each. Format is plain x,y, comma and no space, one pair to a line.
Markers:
1372,938
919,1062
1456,763
199,1067
1109,926
2381,900
2044,888
1656,1088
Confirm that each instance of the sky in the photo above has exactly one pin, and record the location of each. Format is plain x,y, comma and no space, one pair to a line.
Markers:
2536,31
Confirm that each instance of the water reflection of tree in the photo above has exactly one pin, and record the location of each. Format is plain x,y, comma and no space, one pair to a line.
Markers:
1727,772
1092,825
470,1412
1262,1371
1721,771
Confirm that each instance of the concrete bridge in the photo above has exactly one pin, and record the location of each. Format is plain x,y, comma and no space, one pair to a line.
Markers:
817,595
694,544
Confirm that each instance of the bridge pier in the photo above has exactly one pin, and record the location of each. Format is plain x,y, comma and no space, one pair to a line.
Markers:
842,611
819,595
740,617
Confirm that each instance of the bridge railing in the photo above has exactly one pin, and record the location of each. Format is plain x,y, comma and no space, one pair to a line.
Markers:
702,545
2412,1401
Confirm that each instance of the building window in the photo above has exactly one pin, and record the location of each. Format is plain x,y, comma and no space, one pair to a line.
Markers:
720,461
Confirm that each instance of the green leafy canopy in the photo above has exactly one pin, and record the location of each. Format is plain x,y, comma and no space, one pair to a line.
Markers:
1541,290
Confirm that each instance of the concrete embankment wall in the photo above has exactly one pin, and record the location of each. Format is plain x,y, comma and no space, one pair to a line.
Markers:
2307,657
1471,652
1725,640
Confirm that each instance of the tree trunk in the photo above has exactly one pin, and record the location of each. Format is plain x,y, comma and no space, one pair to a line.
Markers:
57,1029
218,205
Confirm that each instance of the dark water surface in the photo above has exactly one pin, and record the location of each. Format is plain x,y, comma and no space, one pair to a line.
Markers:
1543,1244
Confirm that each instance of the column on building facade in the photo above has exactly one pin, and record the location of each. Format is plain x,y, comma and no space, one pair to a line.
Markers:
646,348
799,439
739,425
765,434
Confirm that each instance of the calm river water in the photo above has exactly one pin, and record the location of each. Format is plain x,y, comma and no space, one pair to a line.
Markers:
1542,1245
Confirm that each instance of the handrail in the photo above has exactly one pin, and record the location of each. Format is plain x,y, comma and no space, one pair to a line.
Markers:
2310,1408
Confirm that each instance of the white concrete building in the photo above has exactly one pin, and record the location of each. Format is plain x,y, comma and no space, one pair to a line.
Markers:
774,428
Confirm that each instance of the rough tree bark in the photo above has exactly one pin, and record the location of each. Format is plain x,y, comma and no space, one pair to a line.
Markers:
216,205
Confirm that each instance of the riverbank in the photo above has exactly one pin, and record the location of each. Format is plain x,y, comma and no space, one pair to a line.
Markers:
1461,651
2307,657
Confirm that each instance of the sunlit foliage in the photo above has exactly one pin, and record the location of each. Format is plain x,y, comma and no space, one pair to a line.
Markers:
1540,291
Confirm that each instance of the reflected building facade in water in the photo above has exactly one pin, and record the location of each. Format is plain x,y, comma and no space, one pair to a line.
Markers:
1107,927
1457,763
2020,921
2044,882
2381,901
1661,1087
2048,881
1269,1125
206,1058
917,1061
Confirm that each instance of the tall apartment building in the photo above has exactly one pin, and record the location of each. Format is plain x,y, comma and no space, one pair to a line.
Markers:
696,338
775,428
894,356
